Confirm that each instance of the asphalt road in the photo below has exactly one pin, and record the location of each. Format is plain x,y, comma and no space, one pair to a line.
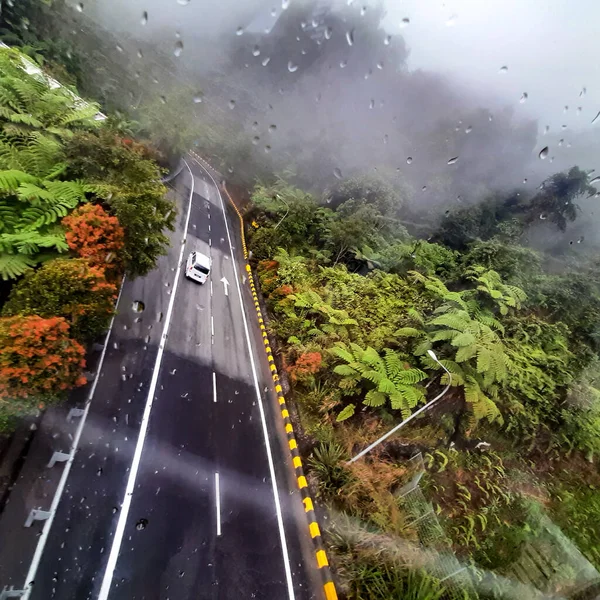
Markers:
211,510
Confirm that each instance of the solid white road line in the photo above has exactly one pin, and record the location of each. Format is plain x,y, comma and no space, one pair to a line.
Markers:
214,387
218,503
39,549
211,287
135,465
209,228
284,548
212,325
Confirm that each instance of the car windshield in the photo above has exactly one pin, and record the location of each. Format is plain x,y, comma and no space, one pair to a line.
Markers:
387,383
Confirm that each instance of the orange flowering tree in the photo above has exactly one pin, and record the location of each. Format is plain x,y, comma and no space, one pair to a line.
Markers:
38,361
69,288
95,235
305,366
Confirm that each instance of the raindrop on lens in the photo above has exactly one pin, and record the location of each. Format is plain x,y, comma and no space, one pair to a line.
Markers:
338,173
80,7
451,21
409,160
350,37
453,160
272,128
232,104
380,65
144,18
328,33
239,31
524,97
198,98
178,48
292,67
255,140
183,2
267,148
405,22
343,64
265,61
256,51
372,103
543,152
285,4
387,40
503,69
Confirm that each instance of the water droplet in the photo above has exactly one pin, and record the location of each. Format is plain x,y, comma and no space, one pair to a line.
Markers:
178,48
79,7
232,104
546,129
272,128
524,97
267,148
138,306
350,37
141,524
543,152
595,180
343,64
337,173
265,61
405,22
387,40
503,69
285,4
563,126
256,51
363,11
469,129
380,65
255,140
144,20
372,103
198,98
451,21
525,180
542,216
273,12
424,188
453,160
119,48
409,160
560,142
292,67
239,31
596,117
183,2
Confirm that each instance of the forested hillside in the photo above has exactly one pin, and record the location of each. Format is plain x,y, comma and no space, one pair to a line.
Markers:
80,205
356,304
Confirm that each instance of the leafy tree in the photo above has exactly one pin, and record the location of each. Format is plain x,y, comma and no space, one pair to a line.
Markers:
556,200
94,235
69,288
386,378
37,357
127,178
375,190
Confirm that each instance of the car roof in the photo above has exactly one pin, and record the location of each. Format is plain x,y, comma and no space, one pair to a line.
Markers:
202,259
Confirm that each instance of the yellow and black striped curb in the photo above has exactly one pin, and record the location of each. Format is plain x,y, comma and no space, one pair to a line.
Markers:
313,526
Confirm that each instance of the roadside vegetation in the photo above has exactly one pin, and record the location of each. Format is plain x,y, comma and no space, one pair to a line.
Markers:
80,205
355,303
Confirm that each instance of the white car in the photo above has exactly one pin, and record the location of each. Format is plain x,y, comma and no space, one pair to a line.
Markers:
197,267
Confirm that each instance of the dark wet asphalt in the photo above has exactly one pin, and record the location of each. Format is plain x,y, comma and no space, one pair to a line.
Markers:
170,547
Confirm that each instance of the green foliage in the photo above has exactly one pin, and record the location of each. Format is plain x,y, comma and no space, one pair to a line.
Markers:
36,120
68,288
326,463
125,174
383,378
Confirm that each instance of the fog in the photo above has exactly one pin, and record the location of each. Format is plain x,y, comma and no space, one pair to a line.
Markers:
322,90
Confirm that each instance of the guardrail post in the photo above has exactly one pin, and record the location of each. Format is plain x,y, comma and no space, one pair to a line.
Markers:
58,457
10,593
37,514
75,412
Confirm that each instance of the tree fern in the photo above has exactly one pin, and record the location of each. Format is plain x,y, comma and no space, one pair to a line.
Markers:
14,265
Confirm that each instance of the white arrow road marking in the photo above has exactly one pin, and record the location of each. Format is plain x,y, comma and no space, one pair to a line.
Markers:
225,285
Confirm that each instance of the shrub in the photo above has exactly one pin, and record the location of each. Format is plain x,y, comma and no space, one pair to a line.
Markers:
96,236
306,366
69,288
37,357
